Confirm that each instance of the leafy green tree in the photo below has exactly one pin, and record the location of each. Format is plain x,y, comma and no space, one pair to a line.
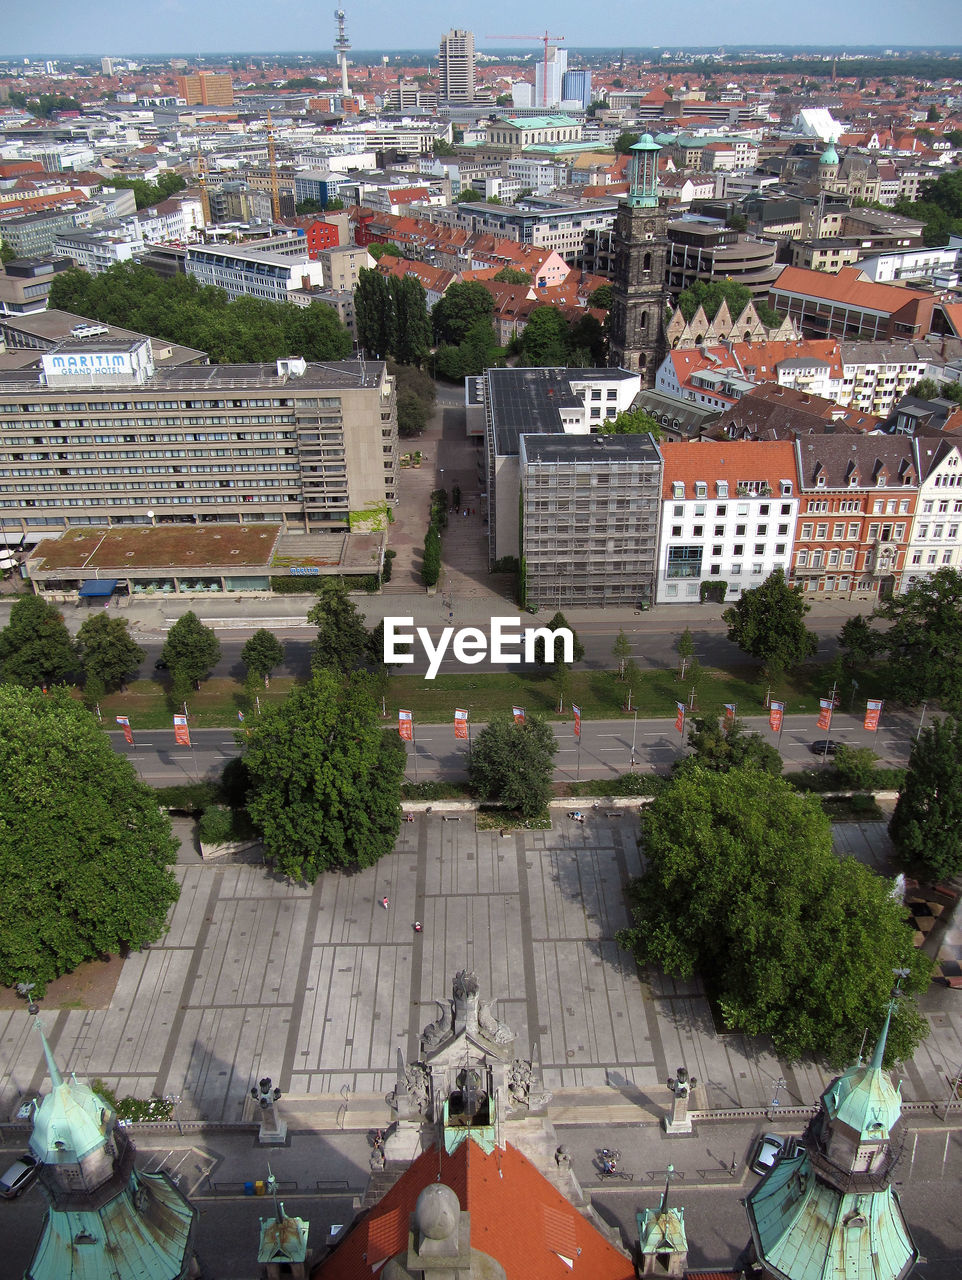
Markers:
147,194
922,648
742,887
85,853
685,645
926,389
632,678
7,254
108,653
35,646
625,141
631,422
190,650
767,624
858,643
479,350
462,306
374,313
926,827
855,766
343,640
601,297
939,206
932,115
621,652
412,416
544,341
511,764
325,778
720,747
470,196
513,275
382,248
587,344
412,339
431,562
262,653
562,685
710,296
540,648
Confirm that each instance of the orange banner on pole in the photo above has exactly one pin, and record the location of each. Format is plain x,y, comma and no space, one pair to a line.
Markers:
730,713
825,714
577,715
405,725
518,713
680,718
125,725
181,731
460,724
873,710
776,711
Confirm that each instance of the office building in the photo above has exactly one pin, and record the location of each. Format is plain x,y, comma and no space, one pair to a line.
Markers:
271,273
25,283
206,88
456,67
549,76
576,87
99,435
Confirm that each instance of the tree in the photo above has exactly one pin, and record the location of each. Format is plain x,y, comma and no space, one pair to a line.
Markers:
711,295
742,887
461,306
431,562
923,646
631,422
262,653
926,827
35,646
685,645
622,652
545,338
562,684
766,623
540,648
587,343
855,766
7,254
470,196
412,416
932,115
85,853
325,779
380,248
342,638
625,141
108,653
511,764
374,313
191,649
858,643
412,324
926,389
601,297
720,747
512,275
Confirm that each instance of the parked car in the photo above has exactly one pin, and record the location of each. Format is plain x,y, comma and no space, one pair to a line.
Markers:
21,1175
767,1150
160,664
824,747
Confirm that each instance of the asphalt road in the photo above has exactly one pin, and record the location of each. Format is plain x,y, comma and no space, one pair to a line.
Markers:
605,747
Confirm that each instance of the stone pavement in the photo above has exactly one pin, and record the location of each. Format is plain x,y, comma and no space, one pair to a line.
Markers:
319,986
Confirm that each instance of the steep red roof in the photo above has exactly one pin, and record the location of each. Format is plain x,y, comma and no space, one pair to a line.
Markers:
517,1218
847,285
731,460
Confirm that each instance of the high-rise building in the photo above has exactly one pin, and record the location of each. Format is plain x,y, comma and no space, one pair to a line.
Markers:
549,77
456,66
207,89
107,66
641,251
576,87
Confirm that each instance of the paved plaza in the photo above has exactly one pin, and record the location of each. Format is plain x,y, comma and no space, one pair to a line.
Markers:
319,987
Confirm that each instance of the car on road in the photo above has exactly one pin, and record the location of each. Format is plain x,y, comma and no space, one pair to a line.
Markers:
824,747
21,1175
766,1152
160,664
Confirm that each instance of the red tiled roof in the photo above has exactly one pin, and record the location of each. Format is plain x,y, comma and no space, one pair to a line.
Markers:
517,1218
953,313
731,460
847,285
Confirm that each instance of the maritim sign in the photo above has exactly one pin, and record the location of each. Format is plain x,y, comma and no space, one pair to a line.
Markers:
505,642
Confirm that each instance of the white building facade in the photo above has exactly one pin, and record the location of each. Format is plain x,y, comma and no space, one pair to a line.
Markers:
934,541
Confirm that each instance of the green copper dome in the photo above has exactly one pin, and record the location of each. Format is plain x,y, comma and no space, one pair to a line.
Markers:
864,1098
71,1121
829,155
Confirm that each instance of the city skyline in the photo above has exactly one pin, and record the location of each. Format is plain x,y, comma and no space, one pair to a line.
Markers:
106,28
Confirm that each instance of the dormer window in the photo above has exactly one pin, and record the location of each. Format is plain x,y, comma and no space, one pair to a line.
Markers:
880,480
853,480
677,488
820,481
722,487
701,489
786,488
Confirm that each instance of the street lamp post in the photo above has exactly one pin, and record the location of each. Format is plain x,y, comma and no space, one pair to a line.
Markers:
779,1085
273,1130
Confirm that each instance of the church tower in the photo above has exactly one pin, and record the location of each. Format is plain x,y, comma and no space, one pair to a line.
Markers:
831,1207
101,1210
637,340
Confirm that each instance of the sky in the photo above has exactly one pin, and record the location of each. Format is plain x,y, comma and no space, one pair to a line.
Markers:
125,27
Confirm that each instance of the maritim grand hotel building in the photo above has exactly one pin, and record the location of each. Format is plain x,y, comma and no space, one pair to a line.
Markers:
92,433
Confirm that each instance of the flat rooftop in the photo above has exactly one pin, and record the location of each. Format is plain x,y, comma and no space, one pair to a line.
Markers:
590,449
336,375
526,401
123,548
47,328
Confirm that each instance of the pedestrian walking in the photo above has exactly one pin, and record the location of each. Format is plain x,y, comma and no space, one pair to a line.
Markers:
417,926
384,903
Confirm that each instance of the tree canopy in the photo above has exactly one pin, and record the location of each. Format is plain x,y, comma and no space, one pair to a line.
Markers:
262,653
85,853
742,888
625,141
720,747
711,295
343,642
35,646
513,275
767,624
190,650
939,206
926,827
108,653
247,330
540,648
392,316
147,194
460,308
325,778
511,764
921,651
630,422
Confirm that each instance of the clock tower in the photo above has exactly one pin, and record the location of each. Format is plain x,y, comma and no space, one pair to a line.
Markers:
639,296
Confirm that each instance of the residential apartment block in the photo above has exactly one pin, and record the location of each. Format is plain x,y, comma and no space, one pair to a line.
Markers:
727,518
934,541
100,436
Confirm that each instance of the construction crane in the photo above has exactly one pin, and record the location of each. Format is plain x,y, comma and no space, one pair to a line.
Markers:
545,39
272,167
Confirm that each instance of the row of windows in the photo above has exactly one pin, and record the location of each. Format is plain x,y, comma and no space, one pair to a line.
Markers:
853,531
118,406
852,506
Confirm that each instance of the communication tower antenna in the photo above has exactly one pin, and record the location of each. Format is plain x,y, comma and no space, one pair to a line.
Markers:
342,44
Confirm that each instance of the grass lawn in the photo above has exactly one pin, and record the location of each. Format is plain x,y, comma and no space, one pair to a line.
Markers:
215,705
